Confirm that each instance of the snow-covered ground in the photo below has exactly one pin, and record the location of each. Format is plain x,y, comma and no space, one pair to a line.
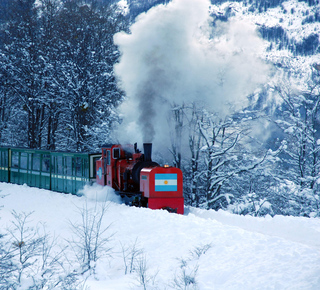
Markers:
218,249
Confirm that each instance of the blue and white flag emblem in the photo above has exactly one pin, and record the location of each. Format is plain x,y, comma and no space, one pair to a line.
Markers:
166,182
99,172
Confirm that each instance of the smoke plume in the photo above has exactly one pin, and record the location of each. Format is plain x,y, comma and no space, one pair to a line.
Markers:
173,55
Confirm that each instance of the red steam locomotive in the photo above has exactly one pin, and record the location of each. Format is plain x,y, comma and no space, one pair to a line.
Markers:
139,180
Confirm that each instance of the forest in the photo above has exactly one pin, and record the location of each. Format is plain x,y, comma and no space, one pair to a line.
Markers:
59,91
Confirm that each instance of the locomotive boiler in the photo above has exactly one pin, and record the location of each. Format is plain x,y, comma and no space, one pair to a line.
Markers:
139,180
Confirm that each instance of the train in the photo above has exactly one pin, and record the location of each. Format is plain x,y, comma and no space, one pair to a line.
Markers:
132,174
138,179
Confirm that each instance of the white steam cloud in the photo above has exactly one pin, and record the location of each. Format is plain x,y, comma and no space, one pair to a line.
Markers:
175,55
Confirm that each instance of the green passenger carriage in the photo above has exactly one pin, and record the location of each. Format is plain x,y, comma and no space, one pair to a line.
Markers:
57,171
31,167
71,171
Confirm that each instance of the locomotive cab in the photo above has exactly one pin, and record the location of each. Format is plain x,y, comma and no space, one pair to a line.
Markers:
113,168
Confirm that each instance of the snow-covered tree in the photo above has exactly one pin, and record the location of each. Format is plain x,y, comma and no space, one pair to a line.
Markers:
85,76
20,67
223,153
299,120
57,73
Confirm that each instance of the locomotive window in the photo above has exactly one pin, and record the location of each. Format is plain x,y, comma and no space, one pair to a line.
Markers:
108,157
116,153
36,162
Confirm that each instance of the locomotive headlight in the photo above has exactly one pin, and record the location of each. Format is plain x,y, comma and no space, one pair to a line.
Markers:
166,166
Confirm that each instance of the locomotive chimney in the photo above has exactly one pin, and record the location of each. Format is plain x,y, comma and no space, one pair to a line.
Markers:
147,149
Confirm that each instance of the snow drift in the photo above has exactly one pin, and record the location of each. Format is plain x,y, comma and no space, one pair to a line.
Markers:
218,249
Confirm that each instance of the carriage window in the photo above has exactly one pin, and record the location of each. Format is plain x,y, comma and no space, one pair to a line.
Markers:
86,168
108,157
78,166
4,158
15,159
46,162
68,164
116,153
59,164
36,162
24,160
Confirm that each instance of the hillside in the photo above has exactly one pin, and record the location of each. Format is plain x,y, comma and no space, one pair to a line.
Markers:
290,28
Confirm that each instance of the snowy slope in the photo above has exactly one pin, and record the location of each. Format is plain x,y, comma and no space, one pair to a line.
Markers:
244,252
291,19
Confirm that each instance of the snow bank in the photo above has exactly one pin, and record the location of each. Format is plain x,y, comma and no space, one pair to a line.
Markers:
218,249
298,229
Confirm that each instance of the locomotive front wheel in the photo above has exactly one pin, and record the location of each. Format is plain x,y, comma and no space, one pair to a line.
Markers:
143,202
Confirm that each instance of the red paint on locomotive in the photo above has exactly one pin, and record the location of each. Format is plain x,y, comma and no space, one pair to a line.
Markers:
163,186
135,176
